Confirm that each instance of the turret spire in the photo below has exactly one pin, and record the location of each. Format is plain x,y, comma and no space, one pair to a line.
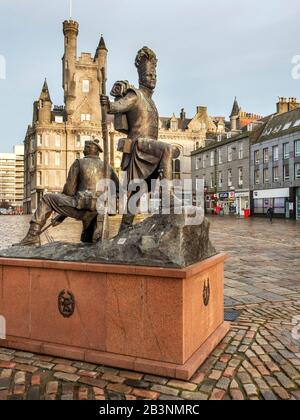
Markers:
101,46
45,95
235,109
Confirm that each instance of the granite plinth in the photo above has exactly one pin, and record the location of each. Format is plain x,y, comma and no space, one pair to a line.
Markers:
162,321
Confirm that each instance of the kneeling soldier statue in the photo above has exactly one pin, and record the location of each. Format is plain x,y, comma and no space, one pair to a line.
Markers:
78,199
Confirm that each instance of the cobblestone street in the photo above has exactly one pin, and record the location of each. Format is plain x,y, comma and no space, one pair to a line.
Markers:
259,358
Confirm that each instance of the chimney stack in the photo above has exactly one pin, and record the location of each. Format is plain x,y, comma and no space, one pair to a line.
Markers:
182,114
286,105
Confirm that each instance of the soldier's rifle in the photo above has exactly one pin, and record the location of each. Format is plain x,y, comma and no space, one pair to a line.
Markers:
105,137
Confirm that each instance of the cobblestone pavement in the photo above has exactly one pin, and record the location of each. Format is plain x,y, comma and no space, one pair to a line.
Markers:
258,359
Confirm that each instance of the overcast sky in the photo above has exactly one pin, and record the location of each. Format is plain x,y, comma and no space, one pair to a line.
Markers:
208,51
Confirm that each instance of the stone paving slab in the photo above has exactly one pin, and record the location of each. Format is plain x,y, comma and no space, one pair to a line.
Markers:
258,359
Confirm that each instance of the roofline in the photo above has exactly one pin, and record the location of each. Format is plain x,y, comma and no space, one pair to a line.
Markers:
217,144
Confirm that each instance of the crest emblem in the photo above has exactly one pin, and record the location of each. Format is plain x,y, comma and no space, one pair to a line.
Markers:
66,303
206,292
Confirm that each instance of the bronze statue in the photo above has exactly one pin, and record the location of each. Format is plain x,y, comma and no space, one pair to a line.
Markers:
144,157
78,199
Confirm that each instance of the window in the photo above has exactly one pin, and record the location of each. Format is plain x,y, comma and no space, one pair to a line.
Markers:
85,117
47,140
266,176
229,151
286,171
275,153
204,161
212,158
59,119
220,179
46,158
256,157
286,150
57,140
229,177
212,181
85,86
220,156
297,170
297,148
257,176
46,178
32,160
39,158
176,168
266,155
78,141
39,178
57,158
241,151
39,140
198,163
241,178
275,174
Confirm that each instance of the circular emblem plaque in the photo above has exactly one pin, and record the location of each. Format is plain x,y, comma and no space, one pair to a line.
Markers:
66,303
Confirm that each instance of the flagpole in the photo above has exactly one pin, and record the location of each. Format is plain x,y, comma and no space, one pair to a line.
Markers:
71,9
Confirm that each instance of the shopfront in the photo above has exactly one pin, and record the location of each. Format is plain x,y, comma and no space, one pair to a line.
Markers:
226,200
242,202
210,202
278,199
298,203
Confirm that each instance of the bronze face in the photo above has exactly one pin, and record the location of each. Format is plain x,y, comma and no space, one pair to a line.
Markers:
90,149
147,76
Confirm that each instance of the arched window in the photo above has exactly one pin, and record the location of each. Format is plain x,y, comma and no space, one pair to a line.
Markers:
176,169
176,162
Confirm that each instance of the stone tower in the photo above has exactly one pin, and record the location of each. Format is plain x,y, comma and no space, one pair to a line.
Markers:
57,134
71,30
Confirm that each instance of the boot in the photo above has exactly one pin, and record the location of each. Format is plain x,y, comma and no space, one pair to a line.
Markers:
127,222
33,236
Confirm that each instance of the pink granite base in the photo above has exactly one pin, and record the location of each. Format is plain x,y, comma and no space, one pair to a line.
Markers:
153,320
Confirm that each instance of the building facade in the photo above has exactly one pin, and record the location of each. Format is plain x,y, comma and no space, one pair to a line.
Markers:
224,167
275,164
184,134
12,179
57,134
223,163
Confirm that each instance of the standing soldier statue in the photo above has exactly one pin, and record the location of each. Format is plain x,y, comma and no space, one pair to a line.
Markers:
144,157
78,199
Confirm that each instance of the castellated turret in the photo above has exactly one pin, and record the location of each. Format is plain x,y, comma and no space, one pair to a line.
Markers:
71,30
44,106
